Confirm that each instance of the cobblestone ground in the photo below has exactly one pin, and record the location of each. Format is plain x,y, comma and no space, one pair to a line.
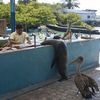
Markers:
65,90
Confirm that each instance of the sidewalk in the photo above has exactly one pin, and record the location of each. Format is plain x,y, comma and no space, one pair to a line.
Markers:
65,90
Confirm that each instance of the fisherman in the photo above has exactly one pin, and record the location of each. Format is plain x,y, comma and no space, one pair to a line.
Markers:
19,37
16,39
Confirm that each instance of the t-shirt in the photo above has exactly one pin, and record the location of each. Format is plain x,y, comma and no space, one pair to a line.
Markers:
19,38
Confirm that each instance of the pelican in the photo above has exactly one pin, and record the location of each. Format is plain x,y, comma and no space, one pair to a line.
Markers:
85,84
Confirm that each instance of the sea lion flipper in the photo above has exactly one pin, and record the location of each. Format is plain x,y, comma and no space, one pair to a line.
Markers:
53,63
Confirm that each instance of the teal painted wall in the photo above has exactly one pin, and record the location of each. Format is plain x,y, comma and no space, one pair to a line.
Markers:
89,49
22,68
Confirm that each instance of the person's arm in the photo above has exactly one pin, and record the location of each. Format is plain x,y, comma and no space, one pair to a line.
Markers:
28,40
12,41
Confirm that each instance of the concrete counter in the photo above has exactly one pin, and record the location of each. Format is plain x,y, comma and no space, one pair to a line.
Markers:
22,68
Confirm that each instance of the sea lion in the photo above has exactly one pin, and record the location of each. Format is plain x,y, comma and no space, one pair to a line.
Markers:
60,58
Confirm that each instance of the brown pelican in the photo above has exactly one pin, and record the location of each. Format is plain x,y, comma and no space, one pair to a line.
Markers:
85,84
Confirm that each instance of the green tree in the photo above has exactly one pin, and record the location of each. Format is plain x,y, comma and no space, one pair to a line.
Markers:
26,1
71,19
71,4
46,16
56,7
5,12
34,13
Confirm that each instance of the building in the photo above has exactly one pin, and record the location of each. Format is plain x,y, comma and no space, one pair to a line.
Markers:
86,15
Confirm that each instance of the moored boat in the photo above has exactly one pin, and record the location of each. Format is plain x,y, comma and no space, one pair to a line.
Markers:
73,29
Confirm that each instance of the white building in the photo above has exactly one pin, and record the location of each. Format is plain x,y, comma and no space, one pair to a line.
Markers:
86,15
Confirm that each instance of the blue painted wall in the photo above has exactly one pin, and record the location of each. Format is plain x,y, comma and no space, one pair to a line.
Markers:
22,68
89,49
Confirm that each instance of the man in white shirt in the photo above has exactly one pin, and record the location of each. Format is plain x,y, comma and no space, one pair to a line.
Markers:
19,37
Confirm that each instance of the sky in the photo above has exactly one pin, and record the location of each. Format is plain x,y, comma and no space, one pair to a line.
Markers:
84,4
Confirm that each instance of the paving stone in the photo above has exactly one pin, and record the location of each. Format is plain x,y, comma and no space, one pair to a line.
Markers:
65,90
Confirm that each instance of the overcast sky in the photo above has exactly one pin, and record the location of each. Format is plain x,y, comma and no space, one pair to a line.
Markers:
84,4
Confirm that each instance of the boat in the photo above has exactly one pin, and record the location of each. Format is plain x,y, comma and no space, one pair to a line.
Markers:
73,29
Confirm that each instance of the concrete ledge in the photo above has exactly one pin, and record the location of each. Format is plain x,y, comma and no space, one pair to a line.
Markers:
24,68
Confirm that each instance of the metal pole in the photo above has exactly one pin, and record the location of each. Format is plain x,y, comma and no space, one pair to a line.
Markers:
12,7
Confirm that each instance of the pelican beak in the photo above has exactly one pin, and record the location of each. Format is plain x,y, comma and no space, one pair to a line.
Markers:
74,61
77,60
